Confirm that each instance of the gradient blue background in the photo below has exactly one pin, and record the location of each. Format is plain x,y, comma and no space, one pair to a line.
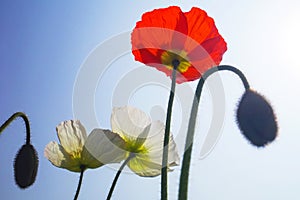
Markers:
43,44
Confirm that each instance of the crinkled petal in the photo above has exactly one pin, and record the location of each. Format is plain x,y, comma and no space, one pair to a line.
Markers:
142,166
170,29
140,140
129,122
56,154
149,56
202,28
103,147
154,145
157,27
159,30
191,74
169,18
148,163
72,136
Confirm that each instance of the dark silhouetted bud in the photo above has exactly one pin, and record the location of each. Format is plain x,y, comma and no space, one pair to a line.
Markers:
256,119
26,166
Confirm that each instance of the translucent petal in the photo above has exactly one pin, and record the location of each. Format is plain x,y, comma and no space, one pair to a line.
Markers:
156,31
138,142
103,146
148,162
129,122
56,154
154,145
169,29
72,136
142,166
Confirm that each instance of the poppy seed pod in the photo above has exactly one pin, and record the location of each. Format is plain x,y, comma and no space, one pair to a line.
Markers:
256,119
26,166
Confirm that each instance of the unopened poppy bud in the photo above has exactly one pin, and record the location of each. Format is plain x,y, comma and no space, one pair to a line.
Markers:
26,166
256,119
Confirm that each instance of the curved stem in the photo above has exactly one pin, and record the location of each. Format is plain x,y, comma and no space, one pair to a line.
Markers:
117,176
12,118
183,185
164,169
80,182
232,69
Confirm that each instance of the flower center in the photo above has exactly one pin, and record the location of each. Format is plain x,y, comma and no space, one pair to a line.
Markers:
176,59
134,147
76,154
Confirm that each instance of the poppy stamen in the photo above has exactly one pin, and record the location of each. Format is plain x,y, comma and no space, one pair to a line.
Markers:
177,60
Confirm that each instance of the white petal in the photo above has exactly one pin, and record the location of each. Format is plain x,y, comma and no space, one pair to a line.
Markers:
138,142
56,154
72,136
142,166
154,144
149,163
129,122
105,146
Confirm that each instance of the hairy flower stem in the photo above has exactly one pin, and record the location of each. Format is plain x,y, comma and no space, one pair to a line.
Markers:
117,176
164,169
80,181
12,118
184,176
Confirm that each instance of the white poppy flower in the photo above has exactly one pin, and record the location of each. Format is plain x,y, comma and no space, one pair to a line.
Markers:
144,141
78,152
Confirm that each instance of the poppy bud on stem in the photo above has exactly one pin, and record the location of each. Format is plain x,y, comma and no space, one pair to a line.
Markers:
25,166
26,161
243,116
256,119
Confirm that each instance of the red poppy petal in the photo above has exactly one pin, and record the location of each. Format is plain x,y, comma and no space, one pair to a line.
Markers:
164,19
146,56
170,18
170,30
213,48
219,48
200,26
190,75
153,60
158,28
202,29
152,38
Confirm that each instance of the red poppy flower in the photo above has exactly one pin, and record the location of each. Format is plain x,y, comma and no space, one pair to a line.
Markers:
168,37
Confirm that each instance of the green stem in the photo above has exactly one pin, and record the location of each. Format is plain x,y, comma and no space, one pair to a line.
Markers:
117,176
12,118
184,176
80,181
164,169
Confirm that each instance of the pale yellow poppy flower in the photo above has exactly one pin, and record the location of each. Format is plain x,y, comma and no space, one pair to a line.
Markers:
144,141
77,152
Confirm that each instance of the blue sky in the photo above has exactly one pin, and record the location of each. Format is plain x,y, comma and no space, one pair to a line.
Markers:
43,46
